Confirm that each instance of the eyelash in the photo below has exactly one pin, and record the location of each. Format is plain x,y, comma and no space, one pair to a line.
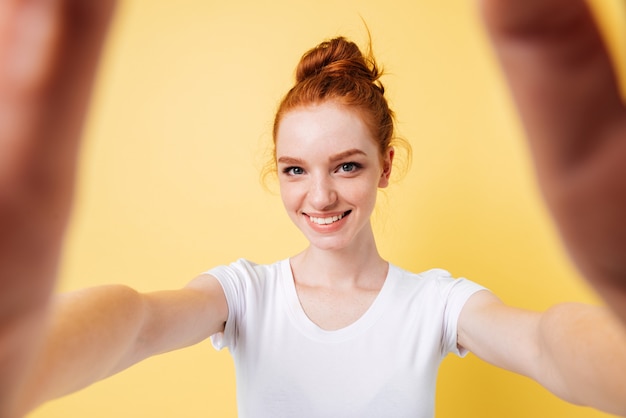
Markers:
289,171
354,166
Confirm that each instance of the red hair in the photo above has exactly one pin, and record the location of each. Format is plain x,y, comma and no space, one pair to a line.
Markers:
338,71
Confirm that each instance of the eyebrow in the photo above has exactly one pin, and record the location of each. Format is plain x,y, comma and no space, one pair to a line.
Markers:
290,161
347,154
342,155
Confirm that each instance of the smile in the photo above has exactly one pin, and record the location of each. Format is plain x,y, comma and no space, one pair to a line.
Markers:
329,220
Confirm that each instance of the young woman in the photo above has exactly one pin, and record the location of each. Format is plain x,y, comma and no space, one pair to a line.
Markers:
334,330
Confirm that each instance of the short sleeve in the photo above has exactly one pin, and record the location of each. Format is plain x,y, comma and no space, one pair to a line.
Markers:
232,278
456,292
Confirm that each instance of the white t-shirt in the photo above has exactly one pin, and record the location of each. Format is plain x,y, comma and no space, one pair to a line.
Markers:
383,365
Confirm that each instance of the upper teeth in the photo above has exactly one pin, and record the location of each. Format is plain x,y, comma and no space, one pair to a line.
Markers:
325,221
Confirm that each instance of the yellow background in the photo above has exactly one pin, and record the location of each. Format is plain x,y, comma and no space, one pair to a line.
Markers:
169,179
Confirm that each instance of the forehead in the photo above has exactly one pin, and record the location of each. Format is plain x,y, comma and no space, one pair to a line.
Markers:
323,128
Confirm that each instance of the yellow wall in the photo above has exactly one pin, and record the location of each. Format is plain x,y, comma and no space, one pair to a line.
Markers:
169,179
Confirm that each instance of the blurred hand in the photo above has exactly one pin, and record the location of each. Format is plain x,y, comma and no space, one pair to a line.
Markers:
48,57
566,91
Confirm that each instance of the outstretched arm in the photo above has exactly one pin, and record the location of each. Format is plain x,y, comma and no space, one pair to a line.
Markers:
48,53
576,351
97,332
565,88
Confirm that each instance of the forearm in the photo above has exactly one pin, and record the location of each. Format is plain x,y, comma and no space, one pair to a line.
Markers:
92,335
584,358
98,332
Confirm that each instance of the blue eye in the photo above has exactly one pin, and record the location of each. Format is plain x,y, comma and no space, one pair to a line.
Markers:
293,171
349,167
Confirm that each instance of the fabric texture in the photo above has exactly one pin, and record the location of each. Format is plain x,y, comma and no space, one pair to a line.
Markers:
382,365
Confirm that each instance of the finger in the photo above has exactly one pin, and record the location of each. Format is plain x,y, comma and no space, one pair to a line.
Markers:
28,37
560,75
49,50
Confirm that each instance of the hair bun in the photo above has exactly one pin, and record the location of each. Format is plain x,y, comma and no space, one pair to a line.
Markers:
337,57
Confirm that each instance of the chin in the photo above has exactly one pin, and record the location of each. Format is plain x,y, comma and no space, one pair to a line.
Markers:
329,243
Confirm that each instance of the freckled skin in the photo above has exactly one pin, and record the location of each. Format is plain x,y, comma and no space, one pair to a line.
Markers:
321,186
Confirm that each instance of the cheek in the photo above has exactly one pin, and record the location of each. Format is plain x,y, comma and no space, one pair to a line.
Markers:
284,195
288,194
363,193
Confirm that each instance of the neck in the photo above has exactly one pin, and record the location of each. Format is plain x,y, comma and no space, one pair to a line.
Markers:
357,266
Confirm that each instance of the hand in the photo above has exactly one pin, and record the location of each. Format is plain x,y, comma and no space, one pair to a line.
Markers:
566,91
49,51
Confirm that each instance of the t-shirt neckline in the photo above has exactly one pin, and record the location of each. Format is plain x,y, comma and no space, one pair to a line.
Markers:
314,331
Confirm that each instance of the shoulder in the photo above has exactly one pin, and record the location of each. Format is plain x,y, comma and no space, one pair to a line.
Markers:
243,271
434,276
426,275
436,282
245,266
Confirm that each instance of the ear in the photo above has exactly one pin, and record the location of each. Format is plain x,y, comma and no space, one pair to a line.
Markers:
387,164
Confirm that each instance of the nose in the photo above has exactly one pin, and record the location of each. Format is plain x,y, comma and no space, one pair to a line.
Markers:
322,193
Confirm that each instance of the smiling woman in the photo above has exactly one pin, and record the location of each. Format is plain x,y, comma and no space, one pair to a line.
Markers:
317,309
333,328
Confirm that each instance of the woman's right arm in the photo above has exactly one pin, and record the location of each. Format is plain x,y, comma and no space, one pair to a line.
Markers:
97,332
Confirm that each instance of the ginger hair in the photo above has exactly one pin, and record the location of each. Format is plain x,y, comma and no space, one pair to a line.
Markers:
336,70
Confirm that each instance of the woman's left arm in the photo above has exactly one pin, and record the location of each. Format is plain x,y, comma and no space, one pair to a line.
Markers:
576,351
